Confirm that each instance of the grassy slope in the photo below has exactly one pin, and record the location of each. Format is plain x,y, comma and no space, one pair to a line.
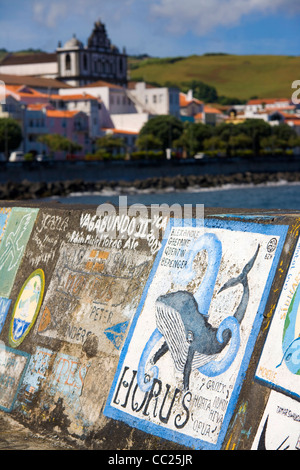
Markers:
232,75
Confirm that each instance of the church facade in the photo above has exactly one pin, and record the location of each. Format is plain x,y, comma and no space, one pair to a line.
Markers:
74,63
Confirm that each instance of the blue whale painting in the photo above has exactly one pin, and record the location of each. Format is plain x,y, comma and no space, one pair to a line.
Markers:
182,320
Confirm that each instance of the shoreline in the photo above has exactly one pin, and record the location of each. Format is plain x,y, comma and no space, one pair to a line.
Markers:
27,190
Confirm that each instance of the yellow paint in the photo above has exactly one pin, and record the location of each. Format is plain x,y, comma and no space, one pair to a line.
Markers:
25,308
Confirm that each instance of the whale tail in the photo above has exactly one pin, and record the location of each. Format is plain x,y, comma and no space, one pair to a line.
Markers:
242,277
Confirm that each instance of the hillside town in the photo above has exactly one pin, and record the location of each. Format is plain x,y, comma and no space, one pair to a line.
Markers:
83,93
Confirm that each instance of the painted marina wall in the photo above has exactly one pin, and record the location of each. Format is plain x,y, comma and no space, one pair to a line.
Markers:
183,337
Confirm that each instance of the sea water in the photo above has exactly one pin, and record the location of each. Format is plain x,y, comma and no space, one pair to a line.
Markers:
285,196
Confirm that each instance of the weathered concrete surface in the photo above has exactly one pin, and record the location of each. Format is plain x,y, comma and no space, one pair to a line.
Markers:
97,347
15,436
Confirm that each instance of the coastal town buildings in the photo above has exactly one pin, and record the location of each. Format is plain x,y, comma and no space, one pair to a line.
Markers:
275,111
190,106
83,92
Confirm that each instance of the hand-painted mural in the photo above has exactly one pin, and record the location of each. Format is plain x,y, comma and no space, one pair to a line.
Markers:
190,341
13,244
157,333
279,428
95,288
27,307
4,216
13,366
4,308
279,365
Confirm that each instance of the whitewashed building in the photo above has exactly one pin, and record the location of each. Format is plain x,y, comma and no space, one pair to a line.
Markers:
74,63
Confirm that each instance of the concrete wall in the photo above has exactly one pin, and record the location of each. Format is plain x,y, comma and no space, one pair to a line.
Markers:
185,338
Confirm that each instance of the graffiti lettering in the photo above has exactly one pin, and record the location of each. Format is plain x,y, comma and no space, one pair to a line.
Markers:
157,402
69,372
53,222
77,333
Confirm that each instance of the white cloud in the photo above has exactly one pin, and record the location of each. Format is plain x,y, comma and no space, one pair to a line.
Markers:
202,16
50,13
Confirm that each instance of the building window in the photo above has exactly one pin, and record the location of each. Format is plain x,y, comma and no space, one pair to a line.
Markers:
154,98
68,62
85,65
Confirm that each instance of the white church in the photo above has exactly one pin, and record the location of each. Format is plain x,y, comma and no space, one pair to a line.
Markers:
74,63
98,70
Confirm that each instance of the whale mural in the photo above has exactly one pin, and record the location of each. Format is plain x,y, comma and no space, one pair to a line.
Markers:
182,362
187,333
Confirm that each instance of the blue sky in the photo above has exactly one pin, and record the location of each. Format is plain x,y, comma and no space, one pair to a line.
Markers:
157,27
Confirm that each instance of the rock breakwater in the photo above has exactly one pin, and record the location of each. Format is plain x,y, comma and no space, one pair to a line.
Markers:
27,190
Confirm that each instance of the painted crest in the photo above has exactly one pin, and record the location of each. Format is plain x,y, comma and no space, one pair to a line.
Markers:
26,307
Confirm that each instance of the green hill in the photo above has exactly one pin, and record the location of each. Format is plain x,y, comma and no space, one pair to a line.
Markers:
263,76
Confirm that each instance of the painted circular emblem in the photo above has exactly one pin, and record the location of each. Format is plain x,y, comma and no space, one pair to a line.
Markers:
27,307
272,245
291,335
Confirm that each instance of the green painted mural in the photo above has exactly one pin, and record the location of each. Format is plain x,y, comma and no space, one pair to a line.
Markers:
13,243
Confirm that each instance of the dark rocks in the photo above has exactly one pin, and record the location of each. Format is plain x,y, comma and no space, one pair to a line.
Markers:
27,190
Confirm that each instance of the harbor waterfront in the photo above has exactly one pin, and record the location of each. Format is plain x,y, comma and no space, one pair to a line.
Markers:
150,228
227,182
280,195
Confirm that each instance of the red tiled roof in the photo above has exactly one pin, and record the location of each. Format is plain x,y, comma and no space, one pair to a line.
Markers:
58,113
132,85
210,110
268,100
75,97
119,131
296,122
39,106
24,90
183,100
102,83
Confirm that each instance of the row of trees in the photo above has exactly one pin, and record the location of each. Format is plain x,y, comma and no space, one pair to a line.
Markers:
167,132
253,135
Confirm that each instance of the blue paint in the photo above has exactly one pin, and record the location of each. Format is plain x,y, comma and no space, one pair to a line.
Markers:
36,372
212,245
245,216
19,327
290,340
116,334
176,436
11,362
141,373
4,308
214,368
